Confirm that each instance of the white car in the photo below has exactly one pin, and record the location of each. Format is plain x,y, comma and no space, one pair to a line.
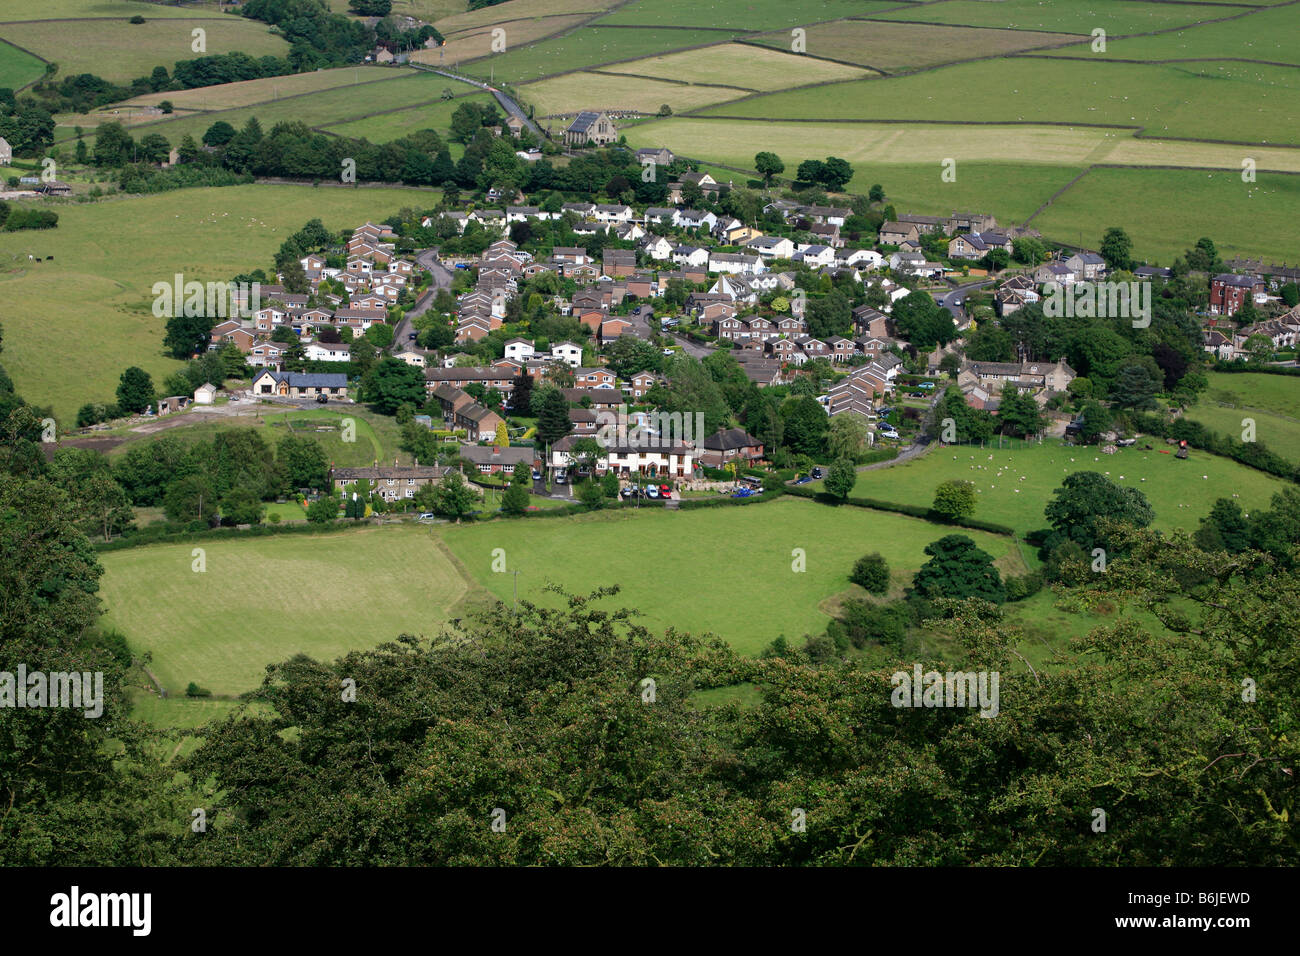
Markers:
427,516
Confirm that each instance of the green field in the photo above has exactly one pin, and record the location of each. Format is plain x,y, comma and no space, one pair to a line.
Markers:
1260,36
97,290
742,65
1178,493
121,51
386,127
588,46
1250,102
12,12
262,600
895,47
750,15
1248,219
697,570
1116,17
17,67
1270,401
250,92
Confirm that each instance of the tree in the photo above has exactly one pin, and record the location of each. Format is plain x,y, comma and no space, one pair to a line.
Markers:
1018,413
628,355
241,506
389,383
515,499
303,462
502,435
954,500
106,504
1225,528
769,166
190,499
1117,249
871,571
836,173
841,477
1135,388
1094,418
847,436
591,494
805,425
135,391
323,510
1028,251
552,411
454,497
187,335
958,569
1086,500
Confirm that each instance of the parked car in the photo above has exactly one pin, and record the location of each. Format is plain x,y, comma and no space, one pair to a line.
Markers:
628,492
322,399
817,472
669,352
561,476
1126,442
537,475
926,385
652,491
742,493
665,489
804,480
427,516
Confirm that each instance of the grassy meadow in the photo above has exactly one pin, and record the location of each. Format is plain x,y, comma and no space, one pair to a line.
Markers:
18,67
263,600
96,291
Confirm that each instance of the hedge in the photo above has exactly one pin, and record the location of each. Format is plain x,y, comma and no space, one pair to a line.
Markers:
165,534
915,511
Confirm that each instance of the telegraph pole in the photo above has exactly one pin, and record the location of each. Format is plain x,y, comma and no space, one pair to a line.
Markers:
516,574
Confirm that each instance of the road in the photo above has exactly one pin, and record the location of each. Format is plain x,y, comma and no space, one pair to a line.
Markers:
441,280
509,105
953,300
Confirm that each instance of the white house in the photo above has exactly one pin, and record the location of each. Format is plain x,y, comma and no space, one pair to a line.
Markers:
690,256
328,352
658,248
519,349
864,259
568,353
729,262
816,256
694,218
772,247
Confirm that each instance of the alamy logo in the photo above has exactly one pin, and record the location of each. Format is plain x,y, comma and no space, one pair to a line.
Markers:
217,300
648,430
1099,300
74,909
78,691
953,689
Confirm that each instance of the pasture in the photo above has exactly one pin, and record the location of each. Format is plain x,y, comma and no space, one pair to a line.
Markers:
18,67
100,9
460,22
1246,219
263,600
1252,103
228,96
586,47
388,126
896,47
1116,17
1014,486
99,299
120,51
571,92
750,15
475,43
696,570
1272,402
741,65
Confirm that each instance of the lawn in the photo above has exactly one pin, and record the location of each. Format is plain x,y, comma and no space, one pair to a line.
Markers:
262,600
107,256
697,570
1272,401
18,67
1245,219
587,47
747,15
121,51
514,11
1250,102
742,65
1178,493
895,47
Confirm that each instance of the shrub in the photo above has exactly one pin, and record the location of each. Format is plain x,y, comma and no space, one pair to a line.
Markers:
871,571
194,690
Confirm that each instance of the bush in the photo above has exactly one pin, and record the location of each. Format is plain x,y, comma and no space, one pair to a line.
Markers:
194,690
884,624
137,20
871,571
1024,585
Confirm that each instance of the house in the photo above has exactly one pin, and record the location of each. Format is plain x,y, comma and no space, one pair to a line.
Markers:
642,382
695,219
479,421
299,384
612,213
1087,265
657,248
494,459
519,349
568,353
861,259
1229,292
727,262
6,152
976,245
328,352
772,247
390,482
969,222
205,394
589,127
619,262
1056,272
895,233
1217,344
691,256
815,256
827,215
673,461
660,157
461,377
54,188
731,444
265,354
593,378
